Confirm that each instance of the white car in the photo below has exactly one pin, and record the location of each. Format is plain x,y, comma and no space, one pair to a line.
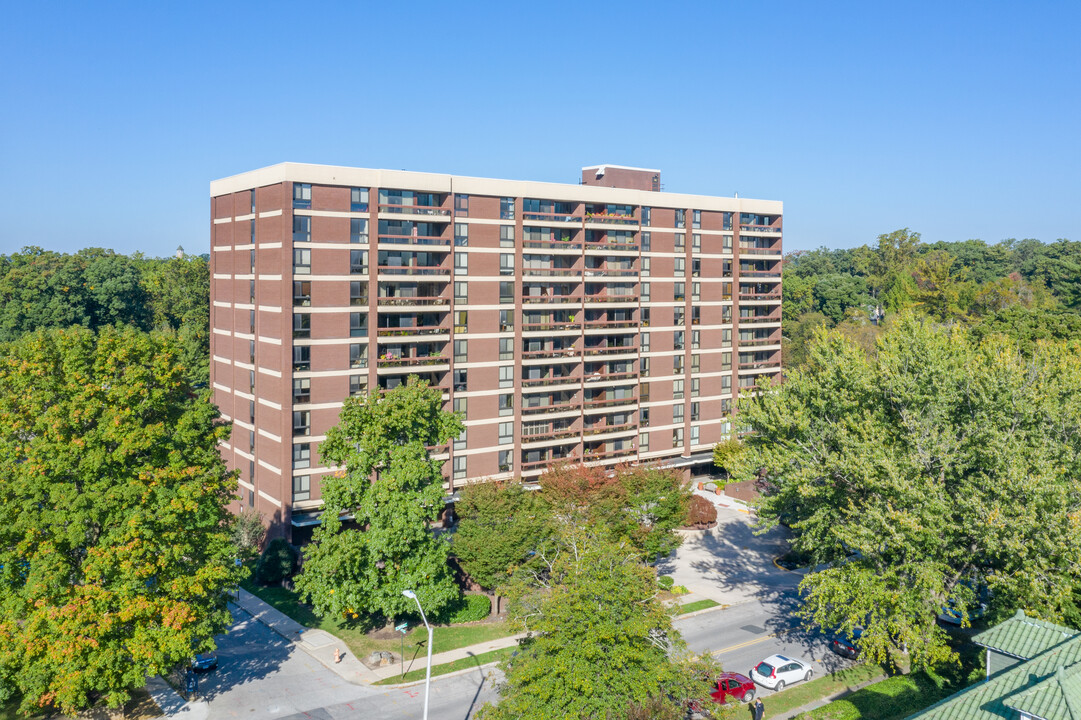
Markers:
776,671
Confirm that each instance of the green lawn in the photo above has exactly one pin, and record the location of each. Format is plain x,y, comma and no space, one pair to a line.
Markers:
803,693
357,634
696,605
475,661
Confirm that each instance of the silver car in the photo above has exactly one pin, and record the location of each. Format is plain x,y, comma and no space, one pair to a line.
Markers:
776,671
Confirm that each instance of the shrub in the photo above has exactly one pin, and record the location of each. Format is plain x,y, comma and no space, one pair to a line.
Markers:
277,562
701,512
666,582
469,608
680,590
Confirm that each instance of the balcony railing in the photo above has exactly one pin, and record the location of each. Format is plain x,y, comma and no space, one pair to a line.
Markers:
760,273
592,404
552,244
598,429
545,409
414,300
572,298
554,325
601,377
541,382
413,270
760,296
611,350
413,361
413,209
612,298
551,217
426,240
753,250
774,364
607,246
603,454
419,330
548,272
615,272
756,319
611,219
759,228
603,324
759,341
550,435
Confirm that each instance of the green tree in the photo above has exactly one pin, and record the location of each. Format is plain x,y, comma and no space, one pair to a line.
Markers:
1058,266
115,551
598,639
835,294
938,467
179,298
797,337
1026,326
248,533
500,527
942,291
392,486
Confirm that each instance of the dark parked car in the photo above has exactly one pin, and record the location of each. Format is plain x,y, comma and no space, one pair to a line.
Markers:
847,648
204,662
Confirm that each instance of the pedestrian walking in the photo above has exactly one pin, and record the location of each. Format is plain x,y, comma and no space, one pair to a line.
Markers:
337,656
759,709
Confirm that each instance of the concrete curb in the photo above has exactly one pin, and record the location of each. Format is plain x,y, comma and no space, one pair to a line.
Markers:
456,673
703,611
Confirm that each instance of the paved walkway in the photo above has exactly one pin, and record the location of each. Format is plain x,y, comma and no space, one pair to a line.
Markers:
172,705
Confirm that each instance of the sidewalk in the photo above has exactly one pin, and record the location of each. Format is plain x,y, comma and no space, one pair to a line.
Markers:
442,658
318,643
172,705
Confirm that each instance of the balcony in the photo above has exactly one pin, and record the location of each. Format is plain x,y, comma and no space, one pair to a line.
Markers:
602,274
551,326
411,331
413,210
760,229
528,383
426,361
592,405
572,298
611,350
553,353
423,240
591,455
553,244
549,409
412,301
768,296
756,250
611,219
552,434
759,342
611,298
413,270
605,246
759,319
550,272
603,429
552,217
611,376
759,365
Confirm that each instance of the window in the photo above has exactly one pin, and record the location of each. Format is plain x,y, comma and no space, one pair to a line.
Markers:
506,463
251,321
461,292
726,243
681,267
679,292
459,467
506,404
461,264
696,291
461,352
645,342
461,321
302,228
358,199
678,315
696,339
461,234
506,348
302,325
302,456
645,267
506,292
506,236
694,411
460,441
358,324
357,384
681,241
506,321
696,242
646,212
358,230
643,442
251,411
678,340
251,440
302,422
358,356
302,487
506,208
302,196
644,321
694,435
506,433
506,264
461,405
677,364
461,382
251,257
358,262
726,361
506,376
696,315
251,196
251,351
643,392
726,382
645,292
302,293
696,219
696,386
302,261
251,291
681,218
251,231
677,413
645,367
302,358
251,380
358,293
461,205
677,437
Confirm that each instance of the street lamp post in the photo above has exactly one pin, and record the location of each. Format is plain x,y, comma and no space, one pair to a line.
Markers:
428,671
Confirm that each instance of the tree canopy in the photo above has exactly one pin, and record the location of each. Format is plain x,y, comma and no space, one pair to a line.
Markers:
392,487
115,548
940,466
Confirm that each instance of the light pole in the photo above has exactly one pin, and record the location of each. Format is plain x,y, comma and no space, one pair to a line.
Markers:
428,672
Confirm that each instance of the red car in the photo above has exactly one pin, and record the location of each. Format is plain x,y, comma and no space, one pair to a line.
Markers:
733,685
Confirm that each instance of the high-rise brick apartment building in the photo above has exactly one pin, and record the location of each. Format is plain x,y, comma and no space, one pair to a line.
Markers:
606,321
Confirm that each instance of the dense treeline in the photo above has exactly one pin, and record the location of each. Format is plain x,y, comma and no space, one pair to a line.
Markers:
1025,289
94,288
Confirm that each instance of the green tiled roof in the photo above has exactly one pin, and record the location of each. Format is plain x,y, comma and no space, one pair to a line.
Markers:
1023,637
1058,698
991,699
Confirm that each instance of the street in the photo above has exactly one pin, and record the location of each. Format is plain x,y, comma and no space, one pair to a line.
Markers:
260,675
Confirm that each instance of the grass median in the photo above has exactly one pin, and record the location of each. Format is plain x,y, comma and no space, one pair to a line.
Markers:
796,696
695,606
363,638
462,664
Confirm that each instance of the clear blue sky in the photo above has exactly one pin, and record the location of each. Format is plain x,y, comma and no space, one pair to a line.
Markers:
956,119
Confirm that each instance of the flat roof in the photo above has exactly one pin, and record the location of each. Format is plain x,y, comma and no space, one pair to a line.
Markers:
619,167
443,183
